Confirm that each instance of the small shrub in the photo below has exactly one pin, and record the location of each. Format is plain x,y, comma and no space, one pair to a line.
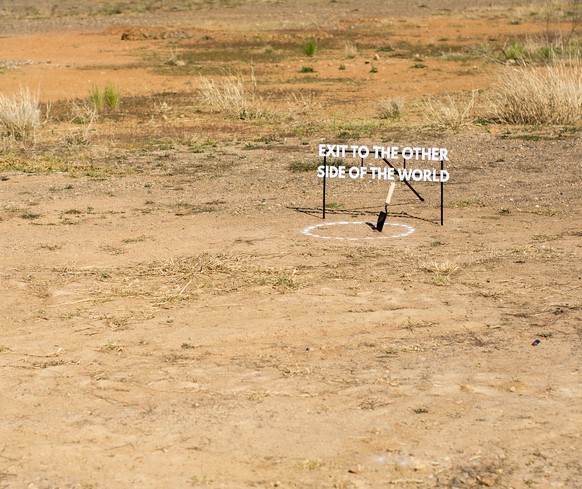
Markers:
537,96
20,115
310,47
390,108
307,69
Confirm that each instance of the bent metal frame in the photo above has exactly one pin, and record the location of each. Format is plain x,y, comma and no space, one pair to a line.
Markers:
406,182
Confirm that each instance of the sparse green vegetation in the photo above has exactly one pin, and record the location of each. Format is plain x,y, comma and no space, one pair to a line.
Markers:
109,97
309,464
97,98
333,205
138,239
49,163
311,165
310,47
110,347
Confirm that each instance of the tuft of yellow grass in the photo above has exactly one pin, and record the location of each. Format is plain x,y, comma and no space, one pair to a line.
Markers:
452,113
351,50
440,270
232,97
20,115
390,108
538,95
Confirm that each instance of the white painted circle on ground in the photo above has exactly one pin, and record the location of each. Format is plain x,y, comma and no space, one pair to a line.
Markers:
399,231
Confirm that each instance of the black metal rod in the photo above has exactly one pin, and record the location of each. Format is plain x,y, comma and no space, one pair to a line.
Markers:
324,179
420,197
442,195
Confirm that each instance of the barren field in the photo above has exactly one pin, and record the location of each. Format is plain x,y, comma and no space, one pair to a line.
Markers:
176,312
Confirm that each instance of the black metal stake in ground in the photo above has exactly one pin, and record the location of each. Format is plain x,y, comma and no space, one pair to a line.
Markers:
442,195
324,179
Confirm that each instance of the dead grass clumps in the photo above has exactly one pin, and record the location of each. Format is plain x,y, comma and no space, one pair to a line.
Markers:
301,103
538,95
20,115
351,50
390,108
452,113
84,114
440,270
232,97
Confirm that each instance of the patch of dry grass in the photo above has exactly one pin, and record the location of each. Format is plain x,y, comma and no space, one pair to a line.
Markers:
51,163
538,95
301,103
20,115
440,270
351,50
452,113
182,278
390,108
233,97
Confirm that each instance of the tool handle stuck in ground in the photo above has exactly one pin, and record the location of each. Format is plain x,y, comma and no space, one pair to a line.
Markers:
389,197
384,214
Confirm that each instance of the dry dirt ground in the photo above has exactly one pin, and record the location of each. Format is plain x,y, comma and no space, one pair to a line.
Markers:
165,321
